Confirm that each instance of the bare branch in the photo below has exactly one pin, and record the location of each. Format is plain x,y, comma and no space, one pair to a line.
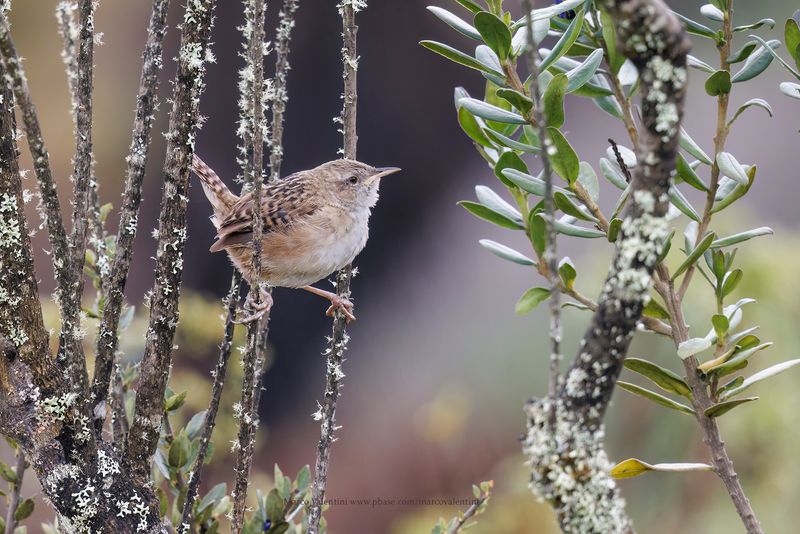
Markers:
281,95
565,432
107,336
339,338
252,102
209,421
193,54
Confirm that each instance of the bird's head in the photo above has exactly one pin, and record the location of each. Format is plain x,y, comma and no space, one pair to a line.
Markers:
353,183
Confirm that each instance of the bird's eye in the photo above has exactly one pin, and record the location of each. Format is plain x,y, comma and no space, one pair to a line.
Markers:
353,180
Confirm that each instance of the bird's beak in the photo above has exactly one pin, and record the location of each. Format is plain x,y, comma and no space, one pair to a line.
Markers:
383,171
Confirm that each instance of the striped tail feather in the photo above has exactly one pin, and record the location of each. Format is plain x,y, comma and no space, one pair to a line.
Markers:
217,193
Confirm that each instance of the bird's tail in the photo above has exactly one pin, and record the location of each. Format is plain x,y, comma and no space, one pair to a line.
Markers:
216,191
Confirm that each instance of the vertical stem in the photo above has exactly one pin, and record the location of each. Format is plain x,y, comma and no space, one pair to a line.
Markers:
216,395
257,330
16,488
537,120
338,342
281,95
107,336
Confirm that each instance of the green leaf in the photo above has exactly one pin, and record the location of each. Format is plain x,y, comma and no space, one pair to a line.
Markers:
455,22
8,474
731,168
275,506
567,272
564,43
655,397
726,406
682,203
695,254
792,39
758,377
790,89
495,33
613,174
696,28
712,12
588,179
721,325
495,202
738,358
574,230
563,203
530,299
633,467
24,510
179,451
699,64
519,43
741,236
580,75
459,57
213,496
483,110
195,425
730,281
175,401
548,12
511,143
736,191
663,378
688,175
654,309
553,100
615,58
719,83
688,144
757,102
665,248
609,105
565,161
613,230
516,99
482,212
526,182
470,5
507,253
770,23
509,160
303,479
538,232
756,63
743,53
769,49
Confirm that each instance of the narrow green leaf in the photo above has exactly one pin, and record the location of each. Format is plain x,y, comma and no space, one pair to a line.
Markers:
567,272
214,494
726,406
688,175
613,174
553,100
663,378
731,168
516,99
743,53
537,229
495,33
565,42
730,281
682,203
654,309
699,64
655,397
616,59
455,22
770,23
688,144
792,39
712,12
482,212
613,230
732,364
549,12
758,377
458,57
483,110
508,142
509,160
574,230
563,203
695,254
756,63
531,299
728,195
696,28
495,202
470,5
633,467
666,247
507,253
8,474
565,161
24,510
771,51
741,236
721,325
580,75
754,102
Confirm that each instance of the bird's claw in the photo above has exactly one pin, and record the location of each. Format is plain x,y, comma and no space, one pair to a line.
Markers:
255,310
341,304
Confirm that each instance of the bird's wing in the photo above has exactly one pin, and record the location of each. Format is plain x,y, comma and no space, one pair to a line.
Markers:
284,203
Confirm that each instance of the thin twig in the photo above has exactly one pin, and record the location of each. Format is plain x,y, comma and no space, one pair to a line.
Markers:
107,335
50,208
281,94
209,421
252,99
473,510
339,338
193,54
16,488
537,120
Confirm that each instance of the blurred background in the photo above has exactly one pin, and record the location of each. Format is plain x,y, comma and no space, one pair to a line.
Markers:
439,365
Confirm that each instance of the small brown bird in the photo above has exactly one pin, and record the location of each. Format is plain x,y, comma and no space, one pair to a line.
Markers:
314,223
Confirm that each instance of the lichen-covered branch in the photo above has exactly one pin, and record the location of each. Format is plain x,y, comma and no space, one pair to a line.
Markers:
280,94
338,341
252,102
193,54
107,336
564,442
50,208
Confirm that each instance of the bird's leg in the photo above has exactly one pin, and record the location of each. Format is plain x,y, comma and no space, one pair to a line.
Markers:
256,310
337,302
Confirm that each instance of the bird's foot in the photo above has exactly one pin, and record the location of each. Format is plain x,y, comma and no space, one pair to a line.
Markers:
253,310
343,305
